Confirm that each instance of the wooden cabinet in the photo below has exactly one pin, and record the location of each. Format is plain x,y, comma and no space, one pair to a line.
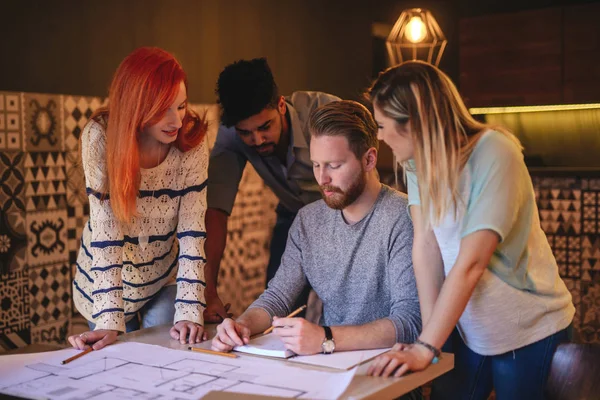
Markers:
548,56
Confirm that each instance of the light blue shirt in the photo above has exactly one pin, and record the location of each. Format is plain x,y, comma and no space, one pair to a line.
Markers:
294,183
520,297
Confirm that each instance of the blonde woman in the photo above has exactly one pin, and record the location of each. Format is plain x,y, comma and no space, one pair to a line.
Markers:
482,262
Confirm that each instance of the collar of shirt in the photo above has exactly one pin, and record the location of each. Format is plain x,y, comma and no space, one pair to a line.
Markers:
297,138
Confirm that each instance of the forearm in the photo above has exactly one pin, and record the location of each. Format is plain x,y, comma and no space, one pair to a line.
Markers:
214,246
451,302
373,335
429,274
256,319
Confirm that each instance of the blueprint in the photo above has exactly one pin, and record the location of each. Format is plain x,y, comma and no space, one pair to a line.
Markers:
134,370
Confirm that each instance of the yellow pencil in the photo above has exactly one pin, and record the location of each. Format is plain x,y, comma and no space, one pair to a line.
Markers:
216,353
76,356
292,314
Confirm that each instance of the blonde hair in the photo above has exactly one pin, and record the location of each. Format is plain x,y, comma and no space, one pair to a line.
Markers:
443,131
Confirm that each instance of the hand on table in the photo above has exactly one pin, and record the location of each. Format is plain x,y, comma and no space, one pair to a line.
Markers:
97,339
401,359
184,329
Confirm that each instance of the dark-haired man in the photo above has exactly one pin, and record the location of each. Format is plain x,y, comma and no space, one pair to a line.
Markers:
259,126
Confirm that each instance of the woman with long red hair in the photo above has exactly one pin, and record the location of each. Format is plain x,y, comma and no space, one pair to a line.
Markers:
145,159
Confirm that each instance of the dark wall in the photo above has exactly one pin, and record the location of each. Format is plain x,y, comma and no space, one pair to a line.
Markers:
67,46
75,46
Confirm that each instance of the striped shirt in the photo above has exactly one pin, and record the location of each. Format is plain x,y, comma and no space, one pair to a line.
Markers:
120,267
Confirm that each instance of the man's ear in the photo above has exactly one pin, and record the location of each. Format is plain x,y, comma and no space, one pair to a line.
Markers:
370,159
281,105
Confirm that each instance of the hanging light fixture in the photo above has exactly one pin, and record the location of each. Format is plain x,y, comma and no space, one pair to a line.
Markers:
416,35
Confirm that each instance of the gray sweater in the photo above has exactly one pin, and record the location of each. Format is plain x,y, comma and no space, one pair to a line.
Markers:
362,272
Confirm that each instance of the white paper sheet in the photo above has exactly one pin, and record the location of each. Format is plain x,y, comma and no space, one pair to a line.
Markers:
266,345
127,370
339,360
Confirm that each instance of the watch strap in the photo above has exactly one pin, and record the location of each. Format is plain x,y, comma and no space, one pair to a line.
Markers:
328,333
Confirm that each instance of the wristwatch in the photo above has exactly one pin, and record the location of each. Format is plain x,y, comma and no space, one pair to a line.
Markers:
328,344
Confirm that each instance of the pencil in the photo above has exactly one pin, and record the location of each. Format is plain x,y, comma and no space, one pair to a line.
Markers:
76,356
216,353
292,314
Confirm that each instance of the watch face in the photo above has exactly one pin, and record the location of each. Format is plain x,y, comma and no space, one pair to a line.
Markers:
328,346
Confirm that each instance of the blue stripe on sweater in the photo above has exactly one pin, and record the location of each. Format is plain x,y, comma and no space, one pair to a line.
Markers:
134,265
84,273
105,268
192,258
132,240
190,302
107,290
138,300
82,292
172,193
152,282
85,250
191,281
96,194
107,310
194,234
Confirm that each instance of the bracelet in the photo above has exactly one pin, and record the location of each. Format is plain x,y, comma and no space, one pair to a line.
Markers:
436,352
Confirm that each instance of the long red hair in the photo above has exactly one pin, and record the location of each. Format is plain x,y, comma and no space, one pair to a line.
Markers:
143,88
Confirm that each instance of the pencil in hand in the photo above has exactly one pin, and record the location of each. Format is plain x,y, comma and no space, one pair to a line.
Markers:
76,356
292,314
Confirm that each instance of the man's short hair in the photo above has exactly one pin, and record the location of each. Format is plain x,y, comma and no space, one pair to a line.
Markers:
244,89
349,119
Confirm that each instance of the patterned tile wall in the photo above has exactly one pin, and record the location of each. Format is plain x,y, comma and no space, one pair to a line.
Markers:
43,208
569,213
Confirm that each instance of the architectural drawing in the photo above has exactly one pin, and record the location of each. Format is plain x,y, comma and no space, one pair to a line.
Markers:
141,371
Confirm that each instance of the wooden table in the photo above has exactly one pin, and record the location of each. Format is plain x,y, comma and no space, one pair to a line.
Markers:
361,387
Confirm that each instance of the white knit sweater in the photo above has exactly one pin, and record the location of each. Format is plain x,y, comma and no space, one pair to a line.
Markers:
120,267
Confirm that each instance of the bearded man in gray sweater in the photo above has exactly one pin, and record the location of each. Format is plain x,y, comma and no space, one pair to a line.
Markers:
353,247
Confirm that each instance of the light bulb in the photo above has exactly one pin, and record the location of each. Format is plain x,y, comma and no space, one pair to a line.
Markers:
415,30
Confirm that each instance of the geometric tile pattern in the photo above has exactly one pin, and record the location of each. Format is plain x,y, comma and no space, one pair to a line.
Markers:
43,122
46,181
54,333
46,237
591,203
569,213
12,182
11,137
243,267
14,309
77,218
77,111
50,294
13,242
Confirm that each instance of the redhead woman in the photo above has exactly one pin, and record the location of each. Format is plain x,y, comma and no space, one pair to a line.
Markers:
145,159
488,283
